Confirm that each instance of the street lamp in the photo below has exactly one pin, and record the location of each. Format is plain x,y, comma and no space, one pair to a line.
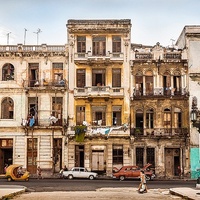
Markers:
195,114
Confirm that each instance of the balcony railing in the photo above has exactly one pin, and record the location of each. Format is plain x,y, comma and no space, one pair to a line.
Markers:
143,56
43,83
172,56
42,123
175,56
160,92
98,91
97,58
103,131
160,132
32,48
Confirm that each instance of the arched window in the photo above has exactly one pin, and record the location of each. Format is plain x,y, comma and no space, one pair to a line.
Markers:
167,83
8,72
167,118
177,118
7,108
177,82
149,119
139,119
149,83
139,84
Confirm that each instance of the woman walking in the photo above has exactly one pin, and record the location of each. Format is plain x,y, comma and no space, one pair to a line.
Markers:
143,186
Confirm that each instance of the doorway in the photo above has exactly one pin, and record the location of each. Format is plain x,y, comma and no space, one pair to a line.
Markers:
6,153
172,161
6,157
98,160
79,156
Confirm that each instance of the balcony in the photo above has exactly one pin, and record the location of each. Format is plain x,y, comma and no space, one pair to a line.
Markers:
42,124
143,56
30,48
160,92
102,132
42,84
172,56
88,58
167,57
99,91
160,132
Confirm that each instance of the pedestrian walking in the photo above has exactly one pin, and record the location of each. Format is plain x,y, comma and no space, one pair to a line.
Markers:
143,186
39,173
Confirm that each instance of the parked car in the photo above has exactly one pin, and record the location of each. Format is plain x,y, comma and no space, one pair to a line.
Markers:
133,172
79,172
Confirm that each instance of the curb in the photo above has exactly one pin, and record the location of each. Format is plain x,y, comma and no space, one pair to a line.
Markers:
171,191
11,195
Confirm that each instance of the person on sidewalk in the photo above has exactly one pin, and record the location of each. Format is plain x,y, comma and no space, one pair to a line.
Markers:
143,186
39,173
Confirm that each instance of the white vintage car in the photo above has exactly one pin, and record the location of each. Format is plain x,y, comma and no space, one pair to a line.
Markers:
79,172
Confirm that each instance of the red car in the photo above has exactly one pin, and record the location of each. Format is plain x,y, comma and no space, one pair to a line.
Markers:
133,172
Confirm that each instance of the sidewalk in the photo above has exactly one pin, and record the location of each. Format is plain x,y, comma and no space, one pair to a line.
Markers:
8,191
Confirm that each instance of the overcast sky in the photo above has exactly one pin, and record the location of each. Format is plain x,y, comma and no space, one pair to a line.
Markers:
152,20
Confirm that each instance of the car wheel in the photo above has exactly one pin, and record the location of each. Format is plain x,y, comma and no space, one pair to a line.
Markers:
9,179
70,176
148,178
91,177
121,178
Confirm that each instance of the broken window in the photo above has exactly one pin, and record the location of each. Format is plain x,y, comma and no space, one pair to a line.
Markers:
116,44
116,78
8,72
7,108
80,74
99,46
81,44
33,74
117,154
58,79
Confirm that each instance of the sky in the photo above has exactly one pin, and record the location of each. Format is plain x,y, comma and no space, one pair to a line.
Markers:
33,22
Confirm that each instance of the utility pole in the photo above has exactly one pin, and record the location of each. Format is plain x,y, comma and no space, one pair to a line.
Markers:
25,35
38,31
8,34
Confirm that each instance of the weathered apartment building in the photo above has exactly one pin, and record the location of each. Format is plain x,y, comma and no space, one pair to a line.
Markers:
98,102
189,40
